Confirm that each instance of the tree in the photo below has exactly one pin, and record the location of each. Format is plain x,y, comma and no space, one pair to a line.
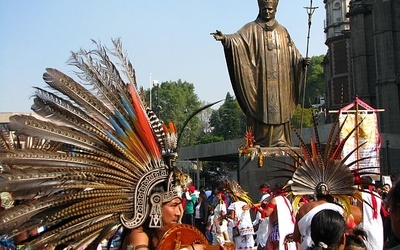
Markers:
204,117
228,121
315,86
307,117
209,138
175,101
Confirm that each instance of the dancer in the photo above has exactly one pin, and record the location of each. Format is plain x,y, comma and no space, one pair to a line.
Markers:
328,230
220,223
261,222
307,211
239,213
99,160
324,174
281,219
393,202
372,222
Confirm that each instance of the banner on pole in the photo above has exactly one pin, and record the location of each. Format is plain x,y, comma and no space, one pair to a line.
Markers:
366,135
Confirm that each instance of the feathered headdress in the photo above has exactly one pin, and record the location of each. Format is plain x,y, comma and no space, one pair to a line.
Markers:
321,172
235,191
90,164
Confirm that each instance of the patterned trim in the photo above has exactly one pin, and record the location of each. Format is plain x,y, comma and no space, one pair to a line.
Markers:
142,192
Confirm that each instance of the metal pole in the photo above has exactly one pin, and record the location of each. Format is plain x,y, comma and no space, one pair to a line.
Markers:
151,86
198,164
357,134
310,12
155,85
388,157
238,171
158,100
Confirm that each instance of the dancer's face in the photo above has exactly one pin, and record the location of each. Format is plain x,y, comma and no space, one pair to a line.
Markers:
172,211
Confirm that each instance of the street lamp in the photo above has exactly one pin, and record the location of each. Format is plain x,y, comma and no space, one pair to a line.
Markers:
151,107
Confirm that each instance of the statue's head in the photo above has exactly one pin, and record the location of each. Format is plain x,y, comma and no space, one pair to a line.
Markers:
267,9
264,3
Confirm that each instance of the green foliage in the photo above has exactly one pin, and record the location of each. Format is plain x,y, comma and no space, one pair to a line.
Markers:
228,121
315,81
307,114
209,138
315,88
177,101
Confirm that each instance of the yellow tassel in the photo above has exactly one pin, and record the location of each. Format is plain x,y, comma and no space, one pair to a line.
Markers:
261,160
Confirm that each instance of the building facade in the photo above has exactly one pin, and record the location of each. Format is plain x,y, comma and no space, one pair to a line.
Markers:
363,59
337,63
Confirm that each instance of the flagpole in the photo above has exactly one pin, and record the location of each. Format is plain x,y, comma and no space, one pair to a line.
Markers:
310,12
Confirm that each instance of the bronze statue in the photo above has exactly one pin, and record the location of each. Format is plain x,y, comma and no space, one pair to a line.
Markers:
266,72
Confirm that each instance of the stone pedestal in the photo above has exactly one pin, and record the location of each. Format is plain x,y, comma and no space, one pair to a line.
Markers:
251,175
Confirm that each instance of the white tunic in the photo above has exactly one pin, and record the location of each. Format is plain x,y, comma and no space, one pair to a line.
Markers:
305,222
372,226
245,225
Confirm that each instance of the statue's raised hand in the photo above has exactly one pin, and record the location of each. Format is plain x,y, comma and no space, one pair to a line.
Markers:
218,35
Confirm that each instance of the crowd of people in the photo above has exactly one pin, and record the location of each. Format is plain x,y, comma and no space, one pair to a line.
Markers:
319,222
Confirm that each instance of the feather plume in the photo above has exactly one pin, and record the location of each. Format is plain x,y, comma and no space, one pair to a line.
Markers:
6,142
157,126
315,168
235,191
78,170
170,138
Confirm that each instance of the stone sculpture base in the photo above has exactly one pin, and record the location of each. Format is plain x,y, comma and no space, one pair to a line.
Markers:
252,175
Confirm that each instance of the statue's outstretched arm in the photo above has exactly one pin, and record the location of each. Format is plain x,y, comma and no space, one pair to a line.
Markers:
218,35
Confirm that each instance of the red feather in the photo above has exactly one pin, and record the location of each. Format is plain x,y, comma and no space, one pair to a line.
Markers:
142,125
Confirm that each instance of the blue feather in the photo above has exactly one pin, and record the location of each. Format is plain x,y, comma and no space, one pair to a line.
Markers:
116,126
114,139
128,108
125,124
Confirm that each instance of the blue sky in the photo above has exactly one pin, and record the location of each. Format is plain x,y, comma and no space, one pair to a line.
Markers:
166,40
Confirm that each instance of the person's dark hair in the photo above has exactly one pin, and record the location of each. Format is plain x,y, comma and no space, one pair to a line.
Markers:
394,177
366,181
264,185
393,197
356,238
386,184
203,196
328,198
327,229
393,202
